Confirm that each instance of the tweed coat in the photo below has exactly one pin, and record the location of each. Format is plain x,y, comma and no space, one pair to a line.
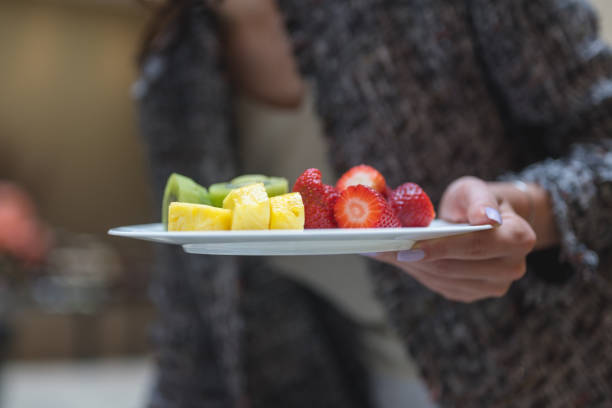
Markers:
427,91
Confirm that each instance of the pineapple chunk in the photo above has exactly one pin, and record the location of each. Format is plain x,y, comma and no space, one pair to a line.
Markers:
287,211
250,207
198,217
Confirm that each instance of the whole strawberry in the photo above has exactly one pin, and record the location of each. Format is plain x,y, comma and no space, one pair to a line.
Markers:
362,207
318,198
412,205
364,175
332,195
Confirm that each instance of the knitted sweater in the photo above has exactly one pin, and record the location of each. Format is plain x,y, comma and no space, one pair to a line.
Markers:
427,91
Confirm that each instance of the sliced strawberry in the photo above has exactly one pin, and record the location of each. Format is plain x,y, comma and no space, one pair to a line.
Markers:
364,175
362,207
318,200
412,205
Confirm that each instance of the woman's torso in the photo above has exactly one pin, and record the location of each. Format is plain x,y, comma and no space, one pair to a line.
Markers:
400,86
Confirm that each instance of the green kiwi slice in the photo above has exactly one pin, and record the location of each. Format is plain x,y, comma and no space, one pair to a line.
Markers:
249,179
182,189
274,186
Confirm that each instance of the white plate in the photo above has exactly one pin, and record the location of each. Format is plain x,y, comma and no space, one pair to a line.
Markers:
288,242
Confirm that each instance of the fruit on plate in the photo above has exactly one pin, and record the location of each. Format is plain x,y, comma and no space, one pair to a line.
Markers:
331,194
364,175
274,186
182,189
287,211
198,217
412,205
318,199
363,207
249,179
360,199
250,207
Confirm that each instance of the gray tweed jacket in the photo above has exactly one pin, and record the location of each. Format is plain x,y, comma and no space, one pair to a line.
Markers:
425,90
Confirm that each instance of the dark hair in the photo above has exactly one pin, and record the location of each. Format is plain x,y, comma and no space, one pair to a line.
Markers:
164,15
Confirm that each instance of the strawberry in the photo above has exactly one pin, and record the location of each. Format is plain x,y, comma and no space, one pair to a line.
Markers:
362,207
388,192
331,194
389,219
318,198
365,175
412,205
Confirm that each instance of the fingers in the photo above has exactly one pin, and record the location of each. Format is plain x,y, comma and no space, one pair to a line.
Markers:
495,270
514,237
462,290
472,266
463,281
469,199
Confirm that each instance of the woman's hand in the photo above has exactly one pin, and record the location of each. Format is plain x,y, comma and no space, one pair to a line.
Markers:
473,266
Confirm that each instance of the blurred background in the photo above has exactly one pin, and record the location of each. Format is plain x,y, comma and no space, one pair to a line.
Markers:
77,328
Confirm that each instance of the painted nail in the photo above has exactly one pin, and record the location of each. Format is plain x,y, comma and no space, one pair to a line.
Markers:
493,215
412,255
369,254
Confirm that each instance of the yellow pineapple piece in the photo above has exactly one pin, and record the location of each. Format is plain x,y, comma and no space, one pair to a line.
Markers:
250,207
287,211
198,217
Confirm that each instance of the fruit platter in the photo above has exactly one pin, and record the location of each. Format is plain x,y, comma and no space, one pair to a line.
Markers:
257,215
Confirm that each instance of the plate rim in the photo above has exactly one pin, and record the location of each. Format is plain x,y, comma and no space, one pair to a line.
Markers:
307,233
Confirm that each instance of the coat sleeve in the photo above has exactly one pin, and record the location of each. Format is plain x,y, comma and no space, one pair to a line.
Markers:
185,108
552,73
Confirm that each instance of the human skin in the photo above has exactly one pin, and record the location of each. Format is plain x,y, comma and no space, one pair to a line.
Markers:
258,52
463,268
484,264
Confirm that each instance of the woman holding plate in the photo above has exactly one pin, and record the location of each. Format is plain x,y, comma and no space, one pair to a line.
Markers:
501,110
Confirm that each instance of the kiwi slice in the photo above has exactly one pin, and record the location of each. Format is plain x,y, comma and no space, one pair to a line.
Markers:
249,179
182,189
218,192
274,186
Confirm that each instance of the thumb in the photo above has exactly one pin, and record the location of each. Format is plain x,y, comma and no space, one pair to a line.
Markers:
469,199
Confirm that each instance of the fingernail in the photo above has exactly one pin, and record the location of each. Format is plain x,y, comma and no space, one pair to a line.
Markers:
412,255
369,254
493,215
